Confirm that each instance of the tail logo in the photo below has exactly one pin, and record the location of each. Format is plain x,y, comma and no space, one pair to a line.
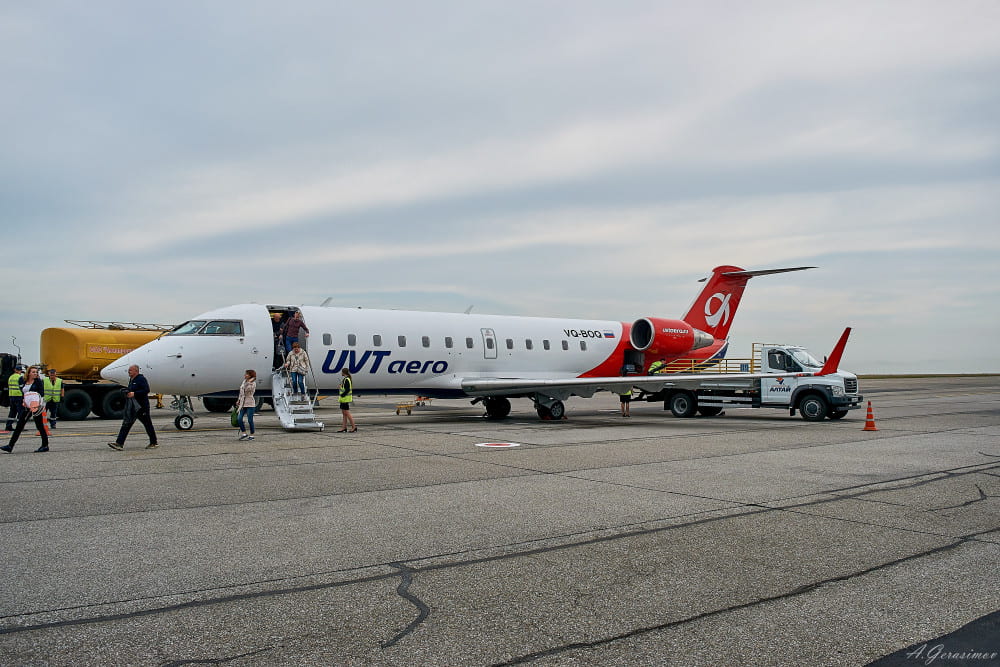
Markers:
722,313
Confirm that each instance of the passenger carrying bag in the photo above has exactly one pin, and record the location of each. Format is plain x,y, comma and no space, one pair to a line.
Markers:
234,416
131,410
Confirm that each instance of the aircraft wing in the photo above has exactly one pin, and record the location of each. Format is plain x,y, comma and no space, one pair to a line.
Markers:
587,387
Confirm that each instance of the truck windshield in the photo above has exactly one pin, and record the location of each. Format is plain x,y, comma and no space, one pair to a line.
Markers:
802,356
187,329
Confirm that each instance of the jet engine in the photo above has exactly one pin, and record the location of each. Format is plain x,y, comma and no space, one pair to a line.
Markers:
667,338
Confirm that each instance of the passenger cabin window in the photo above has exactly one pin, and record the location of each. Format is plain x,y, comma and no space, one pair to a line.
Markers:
545,345
188,328
352,340
583,345
377,340
528,345
565,344
222,328
449,342
468,343
510,343
489,344
401,340
425,341
327,339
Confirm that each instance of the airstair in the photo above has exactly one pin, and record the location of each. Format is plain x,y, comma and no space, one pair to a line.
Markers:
295,411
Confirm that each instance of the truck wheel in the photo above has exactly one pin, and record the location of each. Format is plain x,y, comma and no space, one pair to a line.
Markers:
75,406
683,404
837,414
813,408
213,404
113,405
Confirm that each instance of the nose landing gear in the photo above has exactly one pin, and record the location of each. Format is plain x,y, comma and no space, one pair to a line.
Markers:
185,420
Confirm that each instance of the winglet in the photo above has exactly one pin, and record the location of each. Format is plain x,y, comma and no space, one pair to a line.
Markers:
833,361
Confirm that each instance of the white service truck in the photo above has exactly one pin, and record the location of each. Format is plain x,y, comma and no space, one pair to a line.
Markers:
775,376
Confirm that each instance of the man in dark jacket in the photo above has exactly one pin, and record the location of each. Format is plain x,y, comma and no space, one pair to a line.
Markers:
137,390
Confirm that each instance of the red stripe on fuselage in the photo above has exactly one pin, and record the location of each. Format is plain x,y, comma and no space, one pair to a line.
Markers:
613,364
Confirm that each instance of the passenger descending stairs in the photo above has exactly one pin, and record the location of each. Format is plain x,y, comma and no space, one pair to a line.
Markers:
295,415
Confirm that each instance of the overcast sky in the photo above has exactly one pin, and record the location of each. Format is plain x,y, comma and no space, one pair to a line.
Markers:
574,158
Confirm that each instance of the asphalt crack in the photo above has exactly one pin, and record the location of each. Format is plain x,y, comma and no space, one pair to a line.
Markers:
982,496
213,661
403,590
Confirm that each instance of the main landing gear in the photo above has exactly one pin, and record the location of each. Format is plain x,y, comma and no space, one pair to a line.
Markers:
497,407
549,408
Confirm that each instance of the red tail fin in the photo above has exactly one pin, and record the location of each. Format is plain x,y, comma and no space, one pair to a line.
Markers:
833,361
713,310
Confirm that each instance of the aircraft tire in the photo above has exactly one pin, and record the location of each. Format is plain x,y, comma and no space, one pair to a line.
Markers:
683,404
497,407
213,404
183,422
813,408
76,405
557,410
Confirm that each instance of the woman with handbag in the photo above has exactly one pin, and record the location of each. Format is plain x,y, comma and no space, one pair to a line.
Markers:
246,403
34,407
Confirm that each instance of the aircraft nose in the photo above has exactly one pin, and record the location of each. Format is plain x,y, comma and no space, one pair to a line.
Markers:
117,371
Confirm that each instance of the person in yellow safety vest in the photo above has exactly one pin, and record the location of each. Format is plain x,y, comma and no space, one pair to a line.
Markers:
54,393
346,396
14,383
657,366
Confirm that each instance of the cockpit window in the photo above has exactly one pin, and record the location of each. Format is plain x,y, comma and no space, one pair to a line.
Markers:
206,328
222,328
187,329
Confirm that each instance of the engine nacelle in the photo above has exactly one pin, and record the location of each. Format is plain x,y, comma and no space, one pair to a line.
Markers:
673,338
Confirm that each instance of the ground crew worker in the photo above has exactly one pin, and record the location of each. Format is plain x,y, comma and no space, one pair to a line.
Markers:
346,396
54,393
657,366
14,383
626,399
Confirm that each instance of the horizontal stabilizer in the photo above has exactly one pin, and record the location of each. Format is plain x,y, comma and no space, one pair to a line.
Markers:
765,272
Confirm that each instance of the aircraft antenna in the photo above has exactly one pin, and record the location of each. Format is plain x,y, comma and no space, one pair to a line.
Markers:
469,309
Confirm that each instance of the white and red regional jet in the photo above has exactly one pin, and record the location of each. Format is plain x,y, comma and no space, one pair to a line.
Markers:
490,358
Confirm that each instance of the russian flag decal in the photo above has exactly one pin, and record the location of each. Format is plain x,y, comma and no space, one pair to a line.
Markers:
609,334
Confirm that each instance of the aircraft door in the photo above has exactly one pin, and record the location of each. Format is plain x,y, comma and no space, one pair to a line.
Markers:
489,344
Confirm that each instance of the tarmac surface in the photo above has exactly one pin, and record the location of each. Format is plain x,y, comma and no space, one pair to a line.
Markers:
751,538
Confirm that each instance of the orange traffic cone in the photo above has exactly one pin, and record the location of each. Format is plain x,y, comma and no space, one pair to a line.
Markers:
870,421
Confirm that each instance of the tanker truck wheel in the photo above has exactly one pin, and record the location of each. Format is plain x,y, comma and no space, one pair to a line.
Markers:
75,406
113,405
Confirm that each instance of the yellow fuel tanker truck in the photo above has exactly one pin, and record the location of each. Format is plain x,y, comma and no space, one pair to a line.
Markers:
79,353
